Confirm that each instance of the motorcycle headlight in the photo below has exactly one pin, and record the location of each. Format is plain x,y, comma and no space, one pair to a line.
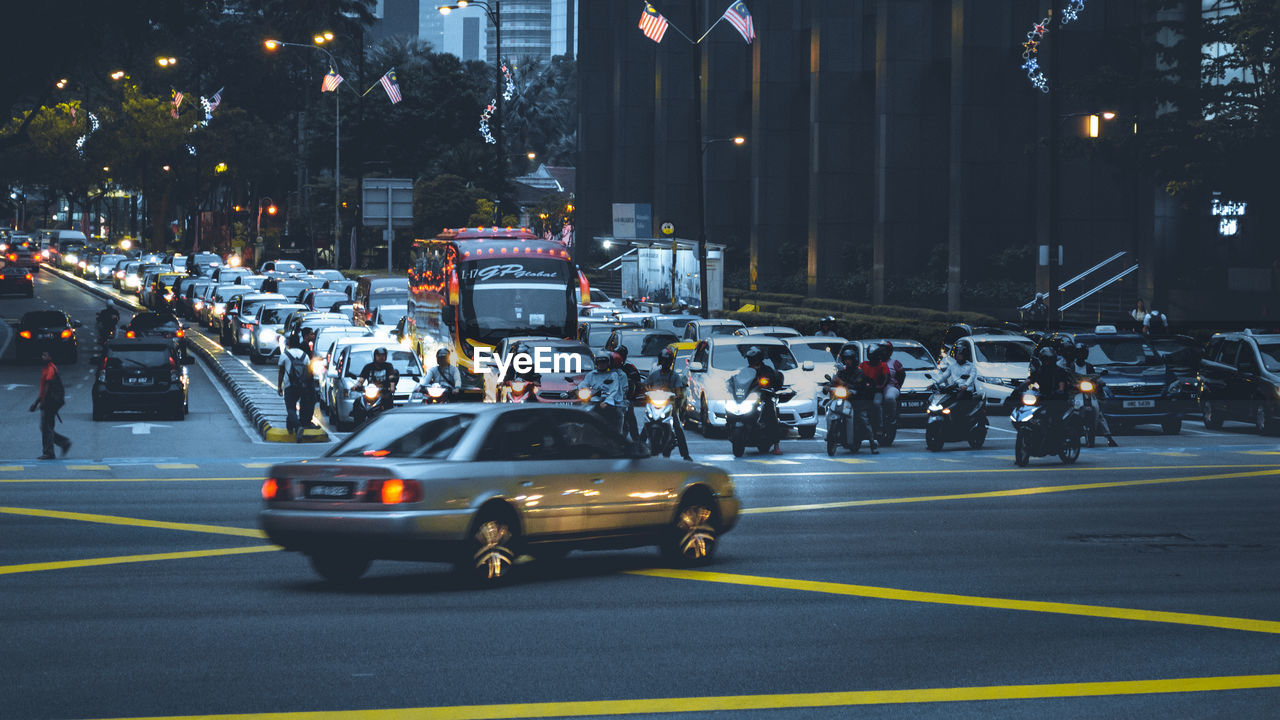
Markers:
840,392
935,408
659,398
517,386
1087,386
218,308
317,366
435,391
1029,399
370,392
584,394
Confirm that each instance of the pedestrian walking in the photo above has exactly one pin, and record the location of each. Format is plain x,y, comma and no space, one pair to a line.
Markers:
296,384
53,395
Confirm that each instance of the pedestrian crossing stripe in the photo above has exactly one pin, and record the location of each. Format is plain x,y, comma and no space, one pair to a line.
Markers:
88,467
849,461
11,468
1174,454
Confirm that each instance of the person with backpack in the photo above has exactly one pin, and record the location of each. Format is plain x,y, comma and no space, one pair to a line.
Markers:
635,383
296,384
53,395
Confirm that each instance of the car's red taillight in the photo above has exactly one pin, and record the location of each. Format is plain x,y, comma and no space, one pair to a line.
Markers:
181,333
277,489
66,334
25,334
394,491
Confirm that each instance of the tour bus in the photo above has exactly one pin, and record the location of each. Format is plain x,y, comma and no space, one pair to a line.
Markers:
471,287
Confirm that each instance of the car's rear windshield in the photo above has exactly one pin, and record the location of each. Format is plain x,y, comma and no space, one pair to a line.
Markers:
391,315
145,357
390,296
276,316
327,299
645,344
289,266
1121,352
44,318
722,329
407,435
725,357
151,321
994,351
226,292
405,362
913,358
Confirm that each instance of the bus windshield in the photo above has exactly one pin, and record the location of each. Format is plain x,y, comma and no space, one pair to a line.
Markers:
504,297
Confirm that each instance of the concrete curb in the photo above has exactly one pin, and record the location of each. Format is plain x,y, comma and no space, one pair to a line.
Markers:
259,401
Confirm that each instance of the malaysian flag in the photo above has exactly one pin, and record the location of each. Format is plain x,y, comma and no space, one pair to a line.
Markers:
740,19
331,81
652,24
391,86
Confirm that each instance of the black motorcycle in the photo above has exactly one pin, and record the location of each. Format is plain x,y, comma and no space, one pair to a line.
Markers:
751,402
659,431
842,431
1089,410
373,400
955,415
1039,435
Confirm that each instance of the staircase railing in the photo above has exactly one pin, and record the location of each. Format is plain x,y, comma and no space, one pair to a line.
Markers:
1113,280
1080,279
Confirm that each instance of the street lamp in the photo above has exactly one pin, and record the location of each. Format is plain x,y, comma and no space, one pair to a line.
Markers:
493,10
166,61
320,39
739,141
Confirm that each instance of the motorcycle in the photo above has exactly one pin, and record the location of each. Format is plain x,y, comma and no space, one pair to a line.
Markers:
841,430
1089,410
659,422
1039,436
369,404
595,404
432,394
518,390
954,416
746,412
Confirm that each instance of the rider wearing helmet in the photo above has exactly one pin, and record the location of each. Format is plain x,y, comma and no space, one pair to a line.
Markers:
861,395
896,376
664,377
827,327
608,389
959,371
444,373
629,427
766,376
1081,368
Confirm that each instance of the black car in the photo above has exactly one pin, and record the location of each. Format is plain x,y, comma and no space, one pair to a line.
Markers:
16,280
1240,380
141,374
158,325
51,330
1138,386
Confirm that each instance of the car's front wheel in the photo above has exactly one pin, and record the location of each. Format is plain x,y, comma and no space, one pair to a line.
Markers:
1261,420
1209,412
340,568
692,537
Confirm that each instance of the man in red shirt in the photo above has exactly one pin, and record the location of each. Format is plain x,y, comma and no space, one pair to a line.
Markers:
876,370
52,398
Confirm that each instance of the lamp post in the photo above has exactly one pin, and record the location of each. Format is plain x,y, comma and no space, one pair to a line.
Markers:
492,9
318,40
702,211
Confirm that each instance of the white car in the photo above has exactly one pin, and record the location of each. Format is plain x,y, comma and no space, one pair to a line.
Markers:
349,358
717,359
386,317
701,329
1003,362
777,331
266,340
819,350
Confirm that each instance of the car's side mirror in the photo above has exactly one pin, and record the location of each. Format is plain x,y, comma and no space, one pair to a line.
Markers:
697,367
964,376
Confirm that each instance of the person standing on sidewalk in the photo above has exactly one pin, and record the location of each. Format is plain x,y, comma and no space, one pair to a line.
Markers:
295,383
53,395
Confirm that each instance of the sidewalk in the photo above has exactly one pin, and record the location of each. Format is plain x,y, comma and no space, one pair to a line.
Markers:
253,389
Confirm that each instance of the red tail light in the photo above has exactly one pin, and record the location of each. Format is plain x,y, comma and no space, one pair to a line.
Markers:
28,276
66,334
394,491
181,333
25,334
277,489
131,334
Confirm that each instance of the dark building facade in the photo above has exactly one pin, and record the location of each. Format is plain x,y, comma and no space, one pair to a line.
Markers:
896,148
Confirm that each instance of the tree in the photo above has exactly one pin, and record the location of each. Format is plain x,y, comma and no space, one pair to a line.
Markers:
444,201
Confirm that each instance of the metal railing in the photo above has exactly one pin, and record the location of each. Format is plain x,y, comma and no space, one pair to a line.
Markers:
1114,279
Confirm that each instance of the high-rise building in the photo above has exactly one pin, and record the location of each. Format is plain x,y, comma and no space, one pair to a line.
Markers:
395,18
538,29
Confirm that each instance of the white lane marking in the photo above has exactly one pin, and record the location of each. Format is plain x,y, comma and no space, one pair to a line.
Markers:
141,428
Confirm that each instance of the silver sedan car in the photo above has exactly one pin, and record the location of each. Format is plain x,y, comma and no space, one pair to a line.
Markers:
480,485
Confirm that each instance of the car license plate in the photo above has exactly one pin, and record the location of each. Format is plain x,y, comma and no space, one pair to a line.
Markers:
1139,403
909,404
138,381
329,490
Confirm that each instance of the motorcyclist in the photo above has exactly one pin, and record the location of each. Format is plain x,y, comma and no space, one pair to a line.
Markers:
959,374
850,375
1053,380
1081,368
877,374
634,381
664,377
608,389
896,376
444,373
767,376
108,319
384,375
827,327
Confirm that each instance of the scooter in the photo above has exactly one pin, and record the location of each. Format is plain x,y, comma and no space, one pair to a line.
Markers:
1038,436
954,416
746,412
433,394
595,404
369,404
659,431
518,390
841,430
1089,410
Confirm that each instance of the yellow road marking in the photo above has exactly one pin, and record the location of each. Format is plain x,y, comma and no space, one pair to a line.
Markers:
830,588
11,467
121,559
135,522
984,471
175,466
88,467
1261,452
849,461
256,465
124,480
1014,492
776,702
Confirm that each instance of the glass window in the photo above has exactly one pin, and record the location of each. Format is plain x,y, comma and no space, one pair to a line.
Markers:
734,357
138,357
407,435
391,314
994,351
1122,352
584,437
700,355
522,436
1270,353
44,318
1227,356
914,358
815,352
404,361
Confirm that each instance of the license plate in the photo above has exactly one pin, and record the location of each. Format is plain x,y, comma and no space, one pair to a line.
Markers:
913,404
1139,403
138,381
329,490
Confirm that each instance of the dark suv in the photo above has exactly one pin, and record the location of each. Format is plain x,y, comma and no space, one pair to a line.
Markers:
141,374
1240,380
1138,385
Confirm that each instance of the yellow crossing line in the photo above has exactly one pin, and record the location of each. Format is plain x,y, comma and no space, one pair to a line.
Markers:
1014,492
985,471
1260,452
741,703
1214,621
124,480
121,559
135,522
11,467
88,467
775,462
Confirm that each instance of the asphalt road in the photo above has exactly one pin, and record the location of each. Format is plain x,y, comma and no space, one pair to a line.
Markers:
1140,582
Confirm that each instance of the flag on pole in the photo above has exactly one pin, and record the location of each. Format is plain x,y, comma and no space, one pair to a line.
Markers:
652,24
215,101
331,81
740,19
391,86
177,102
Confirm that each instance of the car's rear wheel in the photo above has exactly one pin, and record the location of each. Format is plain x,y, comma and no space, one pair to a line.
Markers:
490,554
1212,420
340,568
692,538
101,412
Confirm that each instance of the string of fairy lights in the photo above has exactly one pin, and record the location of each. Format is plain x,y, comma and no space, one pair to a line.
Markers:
1031,47
508,92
